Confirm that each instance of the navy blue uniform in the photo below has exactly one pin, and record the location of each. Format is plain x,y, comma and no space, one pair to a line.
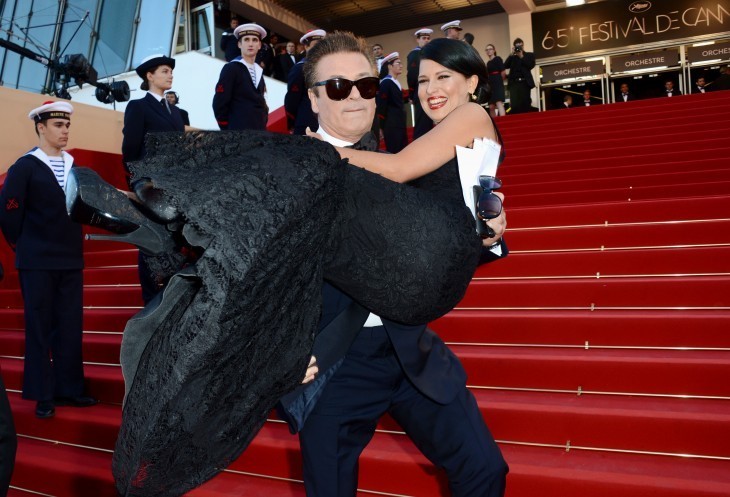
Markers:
147,115
296,102
229,45
142,116
237,104
49,257
391,114
422,124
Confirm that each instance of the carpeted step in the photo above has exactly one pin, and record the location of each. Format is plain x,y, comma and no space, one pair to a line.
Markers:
106,296
123,257
626,371
640,211
672,328
124,275
609,178
97,347
638,262
573,473
667,234
67,471
109,319
617,194
102,381
633,293
556,166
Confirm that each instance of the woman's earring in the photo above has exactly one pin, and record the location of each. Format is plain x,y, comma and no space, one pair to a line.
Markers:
472,97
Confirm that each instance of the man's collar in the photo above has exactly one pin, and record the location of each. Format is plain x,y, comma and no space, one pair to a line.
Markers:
331,139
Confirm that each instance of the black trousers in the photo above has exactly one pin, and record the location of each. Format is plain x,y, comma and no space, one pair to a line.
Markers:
8,441
519,97
370,383
53,310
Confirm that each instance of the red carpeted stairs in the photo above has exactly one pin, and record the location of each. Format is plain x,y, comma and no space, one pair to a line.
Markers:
599,350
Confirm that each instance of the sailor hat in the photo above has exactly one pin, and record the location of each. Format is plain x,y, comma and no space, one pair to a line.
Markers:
149,63
389,57
312,34
452,24
51,110
250,28
423,31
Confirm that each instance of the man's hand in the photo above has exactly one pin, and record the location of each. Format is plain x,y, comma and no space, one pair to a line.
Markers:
312,371
498,224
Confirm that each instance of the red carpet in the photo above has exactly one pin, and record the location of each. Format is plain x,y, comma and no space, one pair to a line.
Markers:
598,351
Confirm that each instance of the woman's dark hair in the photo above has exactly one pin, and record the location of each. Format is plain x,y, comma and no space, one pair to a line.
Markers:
462,58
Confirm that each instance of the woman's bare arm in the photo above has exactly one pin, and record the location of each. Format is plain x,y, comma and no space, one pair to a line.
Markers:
430,151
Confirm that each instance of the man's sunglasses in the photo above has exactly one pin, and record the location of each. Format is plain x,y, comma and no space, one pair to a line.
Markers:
340,88
489,205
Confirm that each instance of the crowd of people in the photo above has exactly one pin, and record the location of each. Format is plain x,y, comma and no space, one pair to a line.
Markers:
347,94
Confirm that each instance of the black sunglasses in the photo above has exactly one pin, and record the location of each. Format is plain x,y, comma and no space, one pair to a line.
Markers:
340,88
489,205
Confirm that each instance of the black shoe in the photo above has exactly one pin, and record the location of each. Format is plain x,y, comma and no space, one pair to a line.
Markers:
80,401
44,409
91,200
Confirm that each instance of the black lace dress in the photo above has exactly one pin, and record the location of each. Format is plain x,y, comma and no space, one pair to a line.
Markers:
277,215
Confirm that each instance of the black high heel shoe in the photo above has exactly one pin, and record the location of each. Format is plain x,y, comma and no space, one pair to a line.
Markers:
91,200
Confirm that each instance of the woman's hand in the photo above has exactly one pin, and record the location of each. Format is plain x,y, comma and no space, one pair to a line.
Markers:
312,369
312,134
498,224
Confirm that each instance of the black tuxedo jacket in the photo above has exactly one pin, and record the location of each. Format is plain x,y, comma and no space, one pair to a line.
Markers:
284,63
146,115
237,104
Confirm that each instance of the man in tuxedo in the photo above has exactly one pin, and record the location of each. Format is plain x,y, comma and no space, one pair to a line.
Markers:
296,103
588,99
239,101
422,124
284,62
669,90
625,95
266,55
567,102
406,371
700,85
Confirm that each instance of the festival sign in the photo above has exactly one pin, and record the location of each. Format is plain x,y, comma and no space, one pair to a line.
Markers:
572,70
645,60
619,23
716,51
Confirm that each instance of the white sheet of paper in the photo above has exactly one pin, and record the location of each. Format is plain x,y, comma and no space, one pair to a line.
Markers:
480,160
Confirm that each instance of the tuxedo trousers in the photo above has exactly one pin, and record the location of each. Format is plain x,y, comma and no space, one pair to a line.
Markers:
369,383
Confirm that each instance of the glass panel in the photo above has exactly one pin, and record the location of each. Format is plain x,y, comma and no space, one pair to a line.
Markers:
38,28
180,47
154,33
115,36
81,41
200,32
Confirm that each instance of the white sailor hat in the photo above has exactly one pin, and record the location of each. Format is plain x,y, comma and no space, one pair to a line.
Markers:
389,57
312,34
152,61
452,24
423,31
250,28
51,110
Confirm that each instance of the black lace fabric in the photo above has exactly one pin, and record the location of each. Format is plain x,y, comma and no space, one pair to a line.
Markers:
279,214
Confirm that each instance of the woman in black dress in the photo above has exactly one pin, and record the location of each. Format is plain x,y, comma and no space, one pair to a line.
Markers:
495,69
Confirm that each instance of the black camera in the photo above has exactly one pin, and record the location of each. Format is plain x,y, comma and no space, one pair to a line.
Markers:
518,48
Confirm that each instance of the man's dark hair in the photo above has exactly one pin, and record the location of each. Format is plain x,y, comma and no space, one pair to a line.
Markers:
337,42
377,45
517,40
462,58
469,38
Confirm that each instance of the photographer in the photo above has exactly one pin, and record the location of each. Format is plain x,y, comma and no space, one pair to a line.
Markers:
520,81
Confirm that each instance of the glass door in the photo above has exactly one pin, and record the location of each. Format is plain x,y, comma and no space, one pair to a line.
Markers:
201,29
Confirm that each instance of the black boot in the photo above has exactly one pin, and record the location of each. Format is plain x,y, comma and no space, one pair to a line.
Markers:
91,200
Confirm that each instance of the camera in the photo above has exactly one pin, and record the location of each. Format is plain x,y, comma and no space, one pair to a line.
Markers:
518,48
